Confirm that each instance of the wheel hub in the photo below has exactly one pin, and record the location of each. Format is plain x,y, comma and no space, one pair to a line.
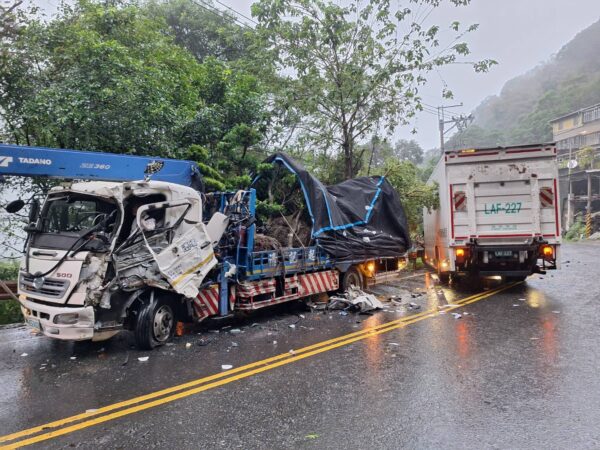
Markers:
163,323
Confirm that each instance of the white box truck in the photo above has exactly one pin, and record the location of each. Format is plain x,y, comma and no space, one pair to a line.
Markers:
498,213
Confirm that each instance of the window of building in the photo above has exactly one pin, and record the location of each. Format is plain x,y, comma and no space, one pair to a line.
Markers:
591,114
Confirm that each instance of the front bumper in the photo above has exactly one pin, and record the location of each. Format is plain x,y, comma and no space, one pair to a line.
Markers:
82,330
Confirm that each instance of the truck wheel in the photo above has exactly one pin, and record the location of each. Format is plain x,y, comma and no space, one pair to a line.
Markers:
352,277
516,279
444,277
155,324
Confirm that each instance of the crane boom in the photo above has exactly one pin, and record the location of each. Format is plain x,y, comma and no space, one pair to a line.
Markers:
17,160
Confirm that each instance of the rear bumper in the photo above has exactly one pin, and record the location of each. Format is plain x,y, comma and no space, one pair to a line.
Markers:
508,260
81,330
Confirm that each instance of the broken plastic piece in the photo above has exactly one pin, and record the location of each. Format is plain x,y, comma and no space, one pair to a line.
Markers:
143,358
226,366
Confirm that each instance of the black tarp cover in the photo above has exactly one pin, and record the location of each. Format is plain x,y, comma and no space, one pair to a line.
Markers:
354,220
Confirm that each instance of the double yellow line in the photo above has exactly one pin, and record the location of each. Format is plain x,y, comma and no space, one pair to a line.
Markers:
157,398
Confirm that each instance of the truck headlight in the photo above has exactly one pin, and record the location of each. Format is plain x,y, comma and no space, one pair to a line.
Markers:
66,318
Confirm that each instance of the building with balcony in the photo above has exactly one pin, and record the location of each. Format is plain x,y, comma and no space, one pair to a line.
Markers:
577,137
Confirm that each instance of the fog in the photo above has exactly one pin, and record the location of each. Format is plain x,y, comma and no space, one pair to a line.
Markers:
519,34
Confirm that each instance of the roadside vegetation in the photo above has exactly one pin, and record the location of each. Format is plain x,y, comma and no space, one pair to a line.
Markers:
325,83
10,312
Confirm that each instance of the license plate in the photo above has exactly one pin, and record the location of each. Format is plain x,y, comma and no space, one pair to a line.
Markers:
33,323
503,253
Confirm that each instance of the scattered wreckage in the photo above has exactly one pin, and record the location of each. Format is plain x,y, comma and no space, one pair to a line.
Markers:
141,255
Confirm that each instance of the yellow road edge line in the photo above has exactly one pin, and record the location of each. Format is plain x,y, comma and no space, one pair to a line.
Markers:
270,362
189,392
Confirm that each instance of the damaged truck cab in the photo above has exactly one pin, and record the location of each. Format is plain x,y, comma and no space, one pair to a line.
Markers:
105,256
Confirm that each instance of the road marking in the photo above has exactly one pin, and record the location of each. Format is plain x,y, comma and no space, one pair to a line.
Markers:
223,378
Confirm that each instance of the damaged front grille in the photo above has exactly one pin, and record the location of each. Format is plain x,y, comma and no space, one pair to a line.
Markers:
51,287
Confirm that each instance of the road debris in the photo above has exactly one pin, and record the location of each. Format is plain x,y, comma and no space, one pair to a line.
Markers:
355,300
226,366
24,354
143,358
235,331
457,315
188,345
73,358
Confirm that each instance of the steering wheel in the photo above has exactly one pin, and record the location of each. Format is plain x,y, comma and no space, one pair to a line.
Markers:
76,225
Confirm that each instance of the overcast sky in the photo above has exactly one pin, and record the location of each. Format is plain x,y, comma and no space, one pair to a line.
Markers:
519,34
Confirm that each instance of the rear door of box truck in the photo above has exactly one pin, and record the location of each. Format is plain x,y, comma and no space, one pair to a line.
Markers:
495,197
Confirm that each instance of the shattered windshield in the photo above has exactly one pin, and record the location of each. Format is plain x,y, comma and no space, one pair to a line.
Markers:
73,214
67,217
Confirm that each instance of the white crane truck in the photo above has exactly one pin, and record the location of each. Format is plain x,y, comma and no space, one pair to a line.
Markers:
117,252
498,213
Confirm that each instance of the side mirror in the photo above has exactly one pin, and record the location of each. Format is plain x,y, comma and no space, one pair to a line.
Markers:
15,206
34,211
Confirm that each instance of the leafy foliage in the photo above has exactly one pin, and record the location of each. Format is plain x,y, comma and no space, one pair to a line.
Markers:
415,194
352,70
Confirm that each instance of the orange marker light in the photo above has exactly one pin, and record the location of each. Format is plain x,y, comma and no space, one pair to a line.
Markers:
548,250
460,252
371,267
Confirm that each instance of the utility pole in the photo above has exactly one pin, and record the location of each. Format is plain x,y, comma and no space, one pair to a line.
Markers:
459,122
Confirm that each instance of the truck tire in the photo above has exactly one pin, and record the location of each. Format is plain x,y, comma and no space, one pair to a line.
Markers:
352,277
516,279
155,324
444,277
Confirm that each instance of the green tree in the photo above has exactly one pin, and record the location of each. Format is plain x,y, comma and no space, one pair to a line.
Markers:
202,30
406,150
354,69
414,193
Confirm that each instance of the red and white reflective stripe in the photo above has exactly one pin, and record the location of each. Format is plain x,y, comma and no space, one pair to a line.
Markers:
206,302
546,197
318,282
460,201
291,283
256,288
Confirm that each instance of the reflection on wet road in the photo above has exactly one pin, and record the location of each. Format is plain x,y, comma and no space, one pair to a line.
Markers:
518,368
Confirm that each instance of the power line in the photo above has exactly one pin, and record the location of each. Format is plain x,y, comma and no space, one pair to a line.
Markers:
237,12
219,13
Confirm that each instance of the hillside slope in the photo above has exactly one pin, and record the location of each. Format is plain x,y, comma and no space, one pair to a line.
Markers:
569,81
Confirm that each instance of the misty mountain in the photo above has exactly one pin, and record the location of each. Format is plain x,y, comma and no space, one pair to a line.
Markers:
570,80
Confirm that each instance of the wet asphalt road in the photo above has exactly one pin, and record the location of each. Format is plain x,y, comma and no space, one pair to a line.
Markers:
520,370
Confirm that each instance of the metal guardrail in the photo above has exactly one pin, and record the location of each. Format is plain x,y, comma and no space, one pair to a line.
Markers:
12,286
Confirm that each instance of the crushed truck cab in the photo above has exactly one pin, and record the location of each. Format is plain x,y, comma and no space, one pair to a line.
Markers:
498,213
96,244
